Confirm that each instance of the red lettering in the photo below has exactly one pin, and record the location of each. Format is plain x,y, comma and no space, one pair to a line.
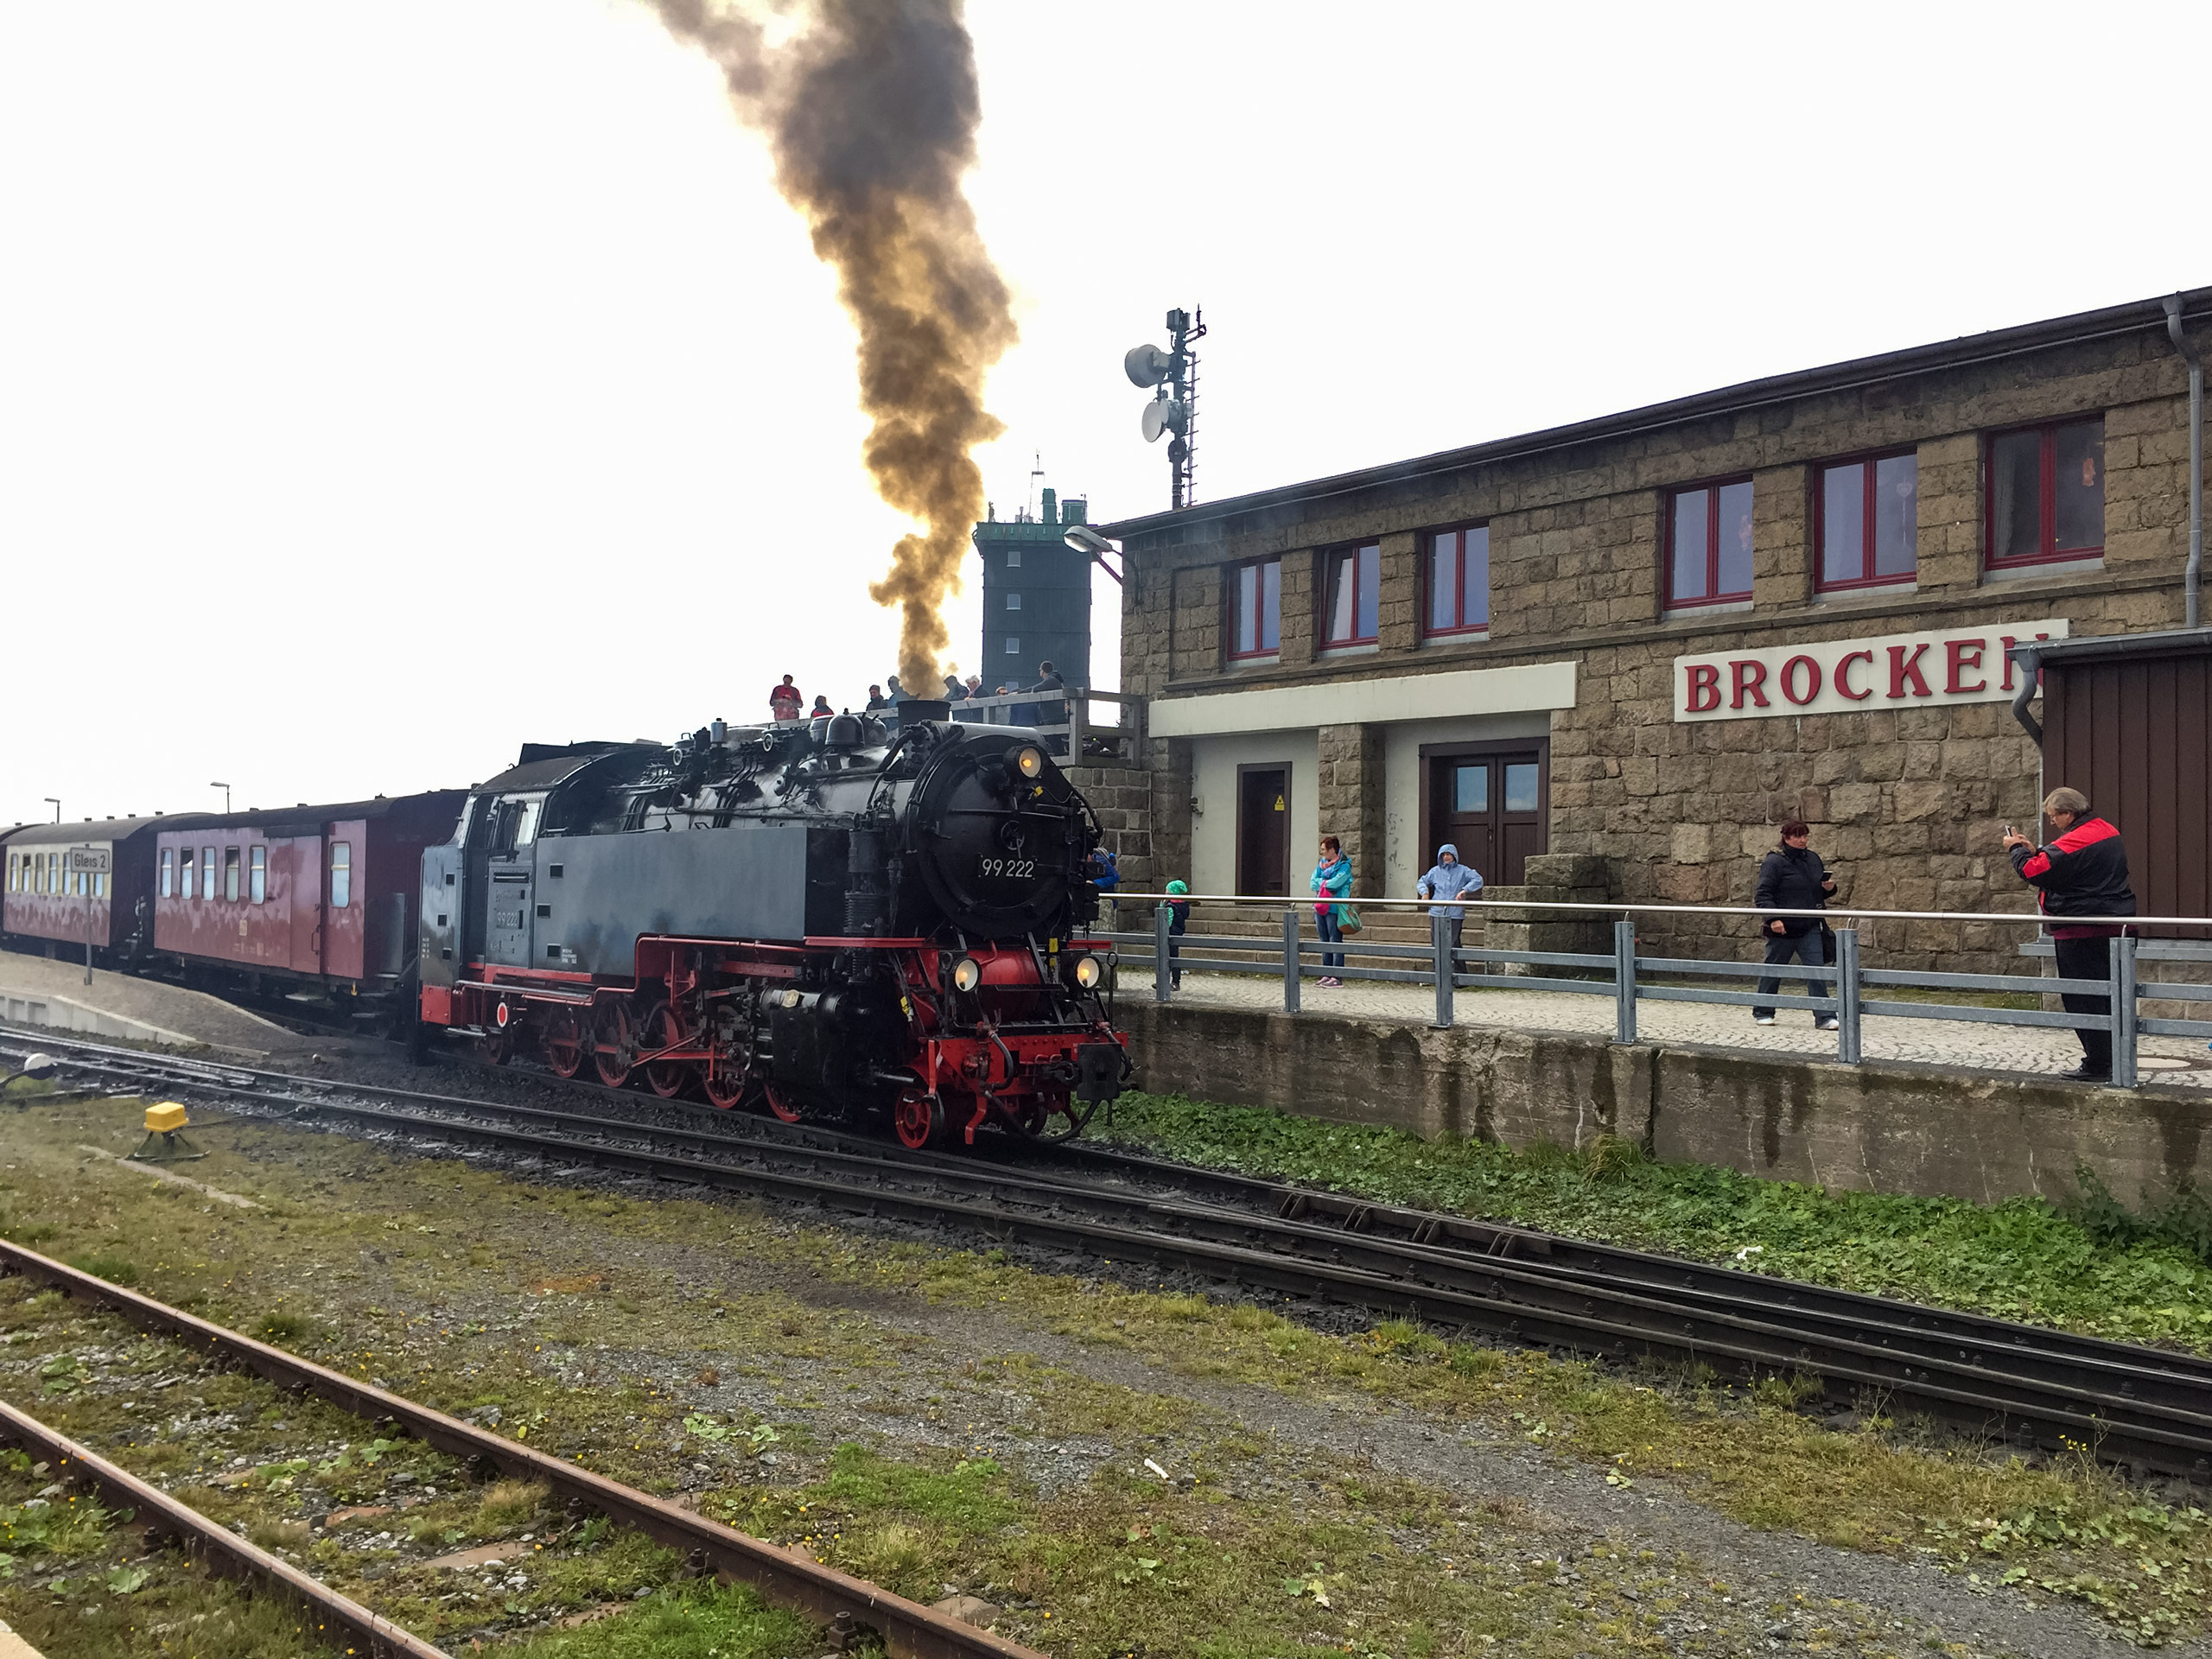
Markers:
1843,675
1702,695
1958,656
2005,642
1749,677
1906,666
1812,680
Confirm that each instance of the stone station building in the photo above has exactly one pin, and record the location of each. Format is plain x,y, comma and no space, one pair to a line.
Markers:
1648,639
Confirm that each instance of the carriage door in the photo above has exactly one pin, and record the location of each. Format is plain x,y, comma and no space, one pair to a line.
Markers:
1490,805
303,870
1263,831
513,857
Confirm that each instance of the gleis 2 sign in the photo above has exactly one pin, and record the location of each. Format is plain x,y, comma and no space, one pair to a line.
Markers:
1965,663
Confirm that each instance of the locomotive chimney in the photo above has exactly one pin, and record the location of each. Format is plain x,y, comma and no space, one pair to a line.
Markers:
914,710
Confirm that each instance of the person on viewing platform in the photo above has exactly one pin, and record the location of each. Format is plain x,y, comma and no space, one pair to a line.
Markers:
1450,884
1332,879
786,699
2082,874
1106,875
1178,923
1792,878
821,707
954,688
974,687
876,701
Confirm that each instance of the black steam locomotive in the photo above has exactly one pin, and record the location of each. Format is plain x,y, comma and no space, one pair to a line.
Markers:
825,919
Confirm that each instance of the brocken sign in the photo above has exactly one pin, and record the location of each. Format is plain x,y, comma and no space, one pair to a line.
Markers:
1834,676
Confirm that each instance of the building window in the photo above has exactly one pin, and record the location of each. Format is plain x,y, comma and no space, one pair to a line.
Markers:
257,876
168,871
230,874
1256,609
1013,601
1355,596
207,873
1867,521
1459,581
1709,544
341,875
2047,493
1013,646
1014,558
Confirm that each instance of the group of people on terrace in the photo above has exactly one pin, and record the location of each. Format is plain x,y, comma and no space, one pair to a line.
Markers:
787,702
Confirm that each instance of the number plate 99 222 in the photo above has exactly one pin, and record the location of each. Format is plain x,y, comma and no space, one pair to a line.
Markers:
1007,869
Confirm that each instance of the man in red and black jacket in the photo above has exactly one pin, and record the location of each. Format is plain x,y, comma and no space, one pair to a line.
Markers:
2083,874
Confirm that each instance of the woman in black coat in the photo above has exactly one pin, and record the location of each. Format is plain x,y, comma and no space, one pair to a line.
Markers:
1792,878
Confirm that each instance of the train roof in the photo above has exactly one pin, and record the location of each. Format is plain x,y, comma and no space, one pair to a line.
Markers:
308,813
543,765
41,835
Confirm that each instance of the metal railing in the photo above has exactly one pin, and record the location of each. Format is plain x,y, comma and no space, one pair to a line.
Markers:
1067,715
1627,977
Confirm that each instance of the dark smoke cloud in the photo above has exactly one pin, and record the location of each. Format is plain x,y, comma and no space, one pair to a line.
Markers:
871,110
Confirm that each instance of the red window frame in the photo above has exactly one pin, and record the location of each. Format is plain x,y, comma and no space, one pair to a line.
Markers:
1711,490
1230,600
1868,464
1362,554
1429,630
2047,551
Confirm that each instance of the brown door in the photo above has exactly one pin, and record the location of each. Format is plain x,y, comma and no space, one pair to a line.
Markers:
1491,807
1263,831
304,854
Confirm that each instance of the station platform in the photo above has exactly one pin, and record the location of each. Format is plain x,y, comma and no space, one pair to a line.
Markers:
41,991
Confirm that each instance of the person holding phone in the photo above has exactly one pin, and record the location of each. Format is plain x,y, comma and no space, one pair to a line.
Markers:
1792,878
2082,873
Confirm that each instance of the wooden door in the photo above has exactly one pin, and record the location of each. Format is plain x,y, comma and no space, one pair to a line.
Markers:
1491,806
1263,831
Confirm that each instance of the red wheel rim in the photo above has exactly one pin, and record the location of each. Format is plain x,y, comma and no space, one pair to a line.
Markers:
497,1047
725,1081
917,1117
612,1049
564,1044
664,1029
779,1102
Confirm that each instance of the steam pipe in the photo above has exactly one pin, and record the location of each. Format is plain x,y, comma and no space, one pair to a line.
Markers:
2029,660
2193,575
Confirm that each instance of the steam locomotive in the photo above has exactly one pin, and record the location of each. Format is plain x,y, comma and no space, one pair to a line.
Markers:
827,919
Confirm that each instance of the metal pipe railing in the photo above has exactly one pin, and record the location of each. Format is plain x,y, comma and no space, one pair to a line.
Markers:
1617,907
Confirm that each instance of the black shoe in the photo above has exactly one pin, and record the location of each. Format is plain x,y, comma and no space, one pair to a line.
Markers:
2084,1073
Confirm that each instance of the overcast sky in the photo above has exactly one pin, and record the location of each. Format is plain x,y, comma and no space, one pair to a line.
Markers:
381,387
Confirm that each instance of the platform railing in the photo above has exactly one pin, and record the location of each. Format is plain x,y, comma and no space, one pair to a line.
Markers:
1630,978
1066,719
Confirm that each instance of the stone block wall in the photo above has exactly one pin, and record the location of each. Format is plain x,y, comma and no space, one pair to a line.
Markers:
1559,879
1351,800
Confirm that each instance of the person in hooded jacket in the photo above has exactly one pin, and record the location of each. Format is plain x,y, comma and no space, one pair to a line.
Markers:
1450,883
1178,923
1792,878
1332,879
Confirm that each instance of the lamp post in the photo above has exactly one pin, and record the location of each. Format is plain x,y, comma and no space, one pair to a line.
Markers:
226,788
1083,539
54,801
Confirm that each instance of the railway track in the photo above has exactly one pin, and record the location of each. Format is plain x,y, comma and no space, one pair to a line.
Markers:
789,1578
2144,1408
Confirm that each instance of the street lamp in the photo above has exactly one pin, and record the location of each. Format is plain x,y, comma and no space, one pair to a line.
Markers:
226,788
54,801
1083,539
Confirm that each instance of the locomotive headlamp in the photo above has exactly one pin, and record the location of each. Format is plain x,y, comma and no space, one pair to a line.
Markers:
1088,971
1031,761
967,974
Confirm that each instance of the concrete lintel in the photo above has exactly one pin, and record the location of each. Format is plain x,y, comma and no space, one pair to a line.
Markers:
1520,689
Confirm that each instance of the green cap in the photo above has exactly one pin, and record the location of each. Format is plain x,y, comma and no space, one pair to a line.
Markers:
1178,886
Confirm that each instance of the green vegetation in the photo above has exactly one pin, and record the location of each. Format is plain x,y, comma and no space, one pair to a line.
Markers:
2096,1269
697,1621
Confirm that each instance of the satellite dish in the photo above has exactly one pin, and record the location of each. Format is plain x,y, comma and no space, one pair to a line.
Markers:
1162,415
1146,365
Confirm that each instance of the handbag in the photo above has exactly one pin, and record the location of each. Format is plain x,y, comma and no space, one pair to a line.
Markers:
1348,920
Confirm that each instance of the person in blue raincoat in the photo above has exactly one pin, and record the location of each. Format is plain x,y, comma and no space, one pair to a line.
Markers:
1332,879
1449,883
1106,875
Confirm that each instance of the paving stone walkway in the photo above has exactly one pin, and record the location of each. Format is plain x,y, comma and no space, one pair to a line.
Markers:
2164,1062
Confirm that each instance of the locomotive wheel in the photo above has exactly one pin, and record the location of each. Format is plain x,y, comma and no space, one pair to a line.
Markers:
784,1105
565,1046
919,1117
497,1047
614,1044
727,1083
663,1028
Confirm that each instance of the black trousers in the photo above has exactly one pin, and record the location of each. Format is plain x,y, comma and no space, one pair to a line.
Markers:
2087,959
1808,949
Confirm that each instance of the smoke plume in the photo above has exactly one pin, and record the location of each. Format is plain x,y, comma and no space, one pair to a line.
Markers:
870,109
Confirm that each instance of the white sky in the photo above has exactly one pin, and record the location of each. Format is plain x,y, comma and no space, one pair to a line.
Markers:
383,386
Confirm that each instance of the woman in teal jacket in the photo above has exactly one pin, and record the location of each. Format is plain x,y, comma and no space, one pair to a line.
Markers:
1332,879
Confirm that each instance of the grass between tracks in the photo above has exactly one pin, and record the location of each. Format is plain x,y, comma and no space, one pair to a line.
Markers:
903,1411
2096,1269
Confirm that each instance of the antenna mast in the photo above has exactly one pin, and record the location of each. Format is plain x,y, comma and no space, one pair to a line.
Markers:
1185,328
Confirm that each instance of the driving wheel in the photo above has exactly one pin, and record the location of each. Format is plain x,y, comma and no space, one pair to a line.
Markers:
614,1044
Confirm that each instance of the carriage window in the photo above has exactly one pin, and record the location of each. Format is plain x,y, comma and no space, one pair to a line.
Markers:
230,873
341,875
207,873
168,870
38,872
258,877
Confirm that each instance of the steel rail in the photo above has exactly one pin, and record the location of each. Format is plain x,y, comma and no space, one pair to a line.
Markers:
788,1577
2141,1405
212,1545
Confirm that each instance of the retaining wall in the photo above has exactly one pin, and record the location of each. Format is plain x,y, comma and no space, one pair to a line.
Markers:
1884,1127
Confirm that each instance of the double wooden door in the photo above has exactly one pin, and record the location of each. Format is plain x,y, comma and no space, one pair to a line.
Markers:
1491,806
